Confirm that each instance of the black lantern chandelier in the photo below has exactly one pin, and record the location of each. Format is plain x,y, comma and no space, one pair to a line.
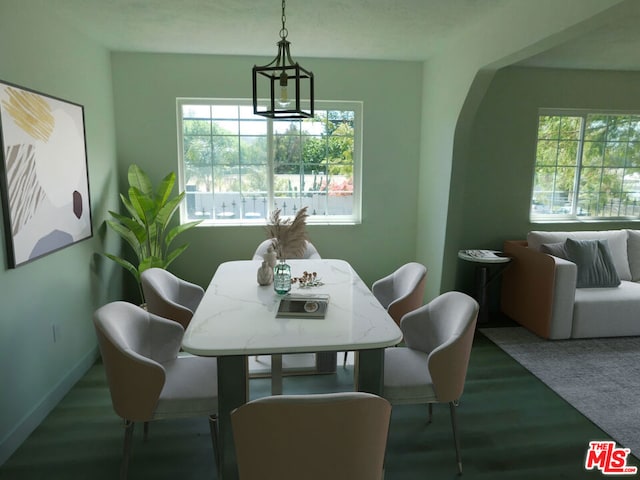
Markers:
288,85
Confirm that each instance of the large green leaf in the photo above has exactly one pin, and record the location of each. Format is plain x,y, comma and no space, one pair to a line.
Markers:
126,265
144,205
127,235
168,209
131,209
151,262
135,226
165,188
156,239
178,229
174,254
140,180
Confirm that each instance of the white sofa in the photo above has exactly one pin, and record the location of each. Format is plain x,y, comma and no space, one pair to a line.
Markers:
539,290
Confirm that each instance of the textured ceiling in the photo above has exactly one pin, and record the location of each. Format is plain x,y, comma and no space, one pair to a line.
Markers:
365,29
369,29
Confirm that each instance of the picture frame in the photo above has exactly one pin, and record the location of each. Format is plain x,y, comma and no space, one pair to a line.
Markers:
44,177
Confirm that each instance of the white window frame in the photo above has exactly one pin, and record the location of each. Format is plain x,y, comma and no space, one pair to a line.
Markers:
575,214
356,215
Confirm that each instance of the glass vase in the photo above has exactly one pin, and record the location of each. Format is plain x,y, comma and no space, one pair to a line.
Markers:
282,278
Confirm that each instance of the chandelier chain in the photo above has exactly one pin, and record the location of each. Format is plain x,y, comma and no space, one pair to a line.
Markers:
283,31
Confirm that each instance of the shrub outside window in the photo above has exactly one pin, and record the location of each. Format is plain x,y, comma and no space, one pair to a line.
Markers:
237,167
587,166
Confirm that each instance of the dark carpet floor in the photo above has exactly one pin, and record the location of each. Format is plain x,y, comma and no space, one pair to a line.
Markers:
512,426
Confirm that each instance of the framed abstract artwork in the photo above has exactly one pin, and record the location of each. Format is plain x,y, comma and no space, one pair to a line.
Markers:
44,179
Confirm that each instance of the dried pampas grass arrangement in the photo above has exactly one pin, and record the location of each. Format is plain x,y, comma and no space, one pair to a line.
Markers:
289,238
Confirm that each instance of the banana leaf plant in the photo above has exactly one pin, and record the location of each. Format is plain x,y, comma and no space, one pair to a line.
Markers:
146,229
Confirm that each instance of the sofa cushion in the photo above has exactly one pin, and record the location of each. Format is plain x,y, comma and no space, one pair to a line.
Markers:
593,259
617,240
607,312
633,252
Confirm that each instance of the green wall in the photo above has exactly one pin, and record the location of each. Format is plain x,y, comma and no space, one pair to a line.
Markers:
146,87
496,177
455,80
63,288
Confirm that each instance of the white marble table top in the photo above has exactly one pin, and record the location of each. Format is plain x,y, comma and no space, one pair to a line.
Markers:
238,317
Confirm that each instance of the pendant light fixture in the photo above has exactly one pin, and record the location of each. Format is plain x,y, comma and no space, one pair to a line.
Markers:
288,86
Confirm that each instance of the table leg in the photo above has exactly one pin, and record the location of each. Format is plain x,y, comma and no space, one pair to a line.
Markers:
484,278
276,374
326,362
370,371
232,392
482,281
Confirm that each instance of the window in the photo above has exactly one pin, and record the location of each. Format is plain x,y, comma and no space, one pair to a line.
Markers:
237,167
587,166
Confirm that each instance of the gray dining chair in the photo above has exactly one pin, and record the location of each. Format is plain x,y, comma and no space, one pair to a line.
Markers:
432,367
338,436
147,379
310,251
400,292
169,296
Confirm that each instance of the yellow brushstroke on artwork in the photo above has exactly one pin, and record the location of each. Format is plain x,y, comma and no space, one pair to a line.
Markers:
30,112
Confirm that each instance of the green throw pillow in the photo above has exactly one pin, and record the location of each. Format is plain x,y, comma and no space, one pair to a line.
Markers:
594,262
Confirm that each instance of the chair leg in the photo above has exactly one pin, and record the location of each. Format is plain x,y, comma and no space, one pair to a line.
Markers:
213,426
344,360
126,451
456,440
146,431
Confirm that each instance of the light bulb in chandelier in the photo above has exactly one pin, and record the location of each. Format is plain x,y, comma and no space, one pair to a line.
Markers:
284,101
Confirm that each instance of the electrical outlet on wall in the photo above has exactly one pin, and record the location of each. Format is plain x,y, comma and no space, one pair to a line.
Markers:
55,330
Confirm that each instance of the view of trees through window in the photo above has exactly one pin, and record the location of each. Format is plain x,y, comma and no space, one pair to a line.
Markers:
237,167
587,165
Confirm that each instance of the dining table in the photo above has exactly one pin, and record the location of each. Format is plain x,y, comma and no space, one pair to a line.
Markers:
238,318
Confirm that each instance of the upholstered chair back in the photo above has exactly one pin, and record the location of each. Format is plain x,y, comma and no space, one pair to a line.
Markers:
444,330
169,296
339,436
402,291
310,251
133,344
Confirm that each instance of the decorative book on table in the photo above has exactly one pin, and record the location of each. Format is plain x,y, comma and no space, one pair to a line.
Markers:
303,306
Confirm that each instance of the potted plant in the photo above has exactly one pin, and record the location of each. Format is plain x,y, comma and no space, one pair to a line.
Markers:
146,229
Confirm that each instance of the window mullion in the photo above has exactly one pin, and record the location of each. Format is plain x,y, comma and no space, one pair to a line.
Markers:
271,168
576,185
239,164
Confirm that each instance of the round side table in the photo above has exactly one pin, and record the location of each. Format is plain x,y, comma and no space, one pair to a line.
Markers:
483,260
